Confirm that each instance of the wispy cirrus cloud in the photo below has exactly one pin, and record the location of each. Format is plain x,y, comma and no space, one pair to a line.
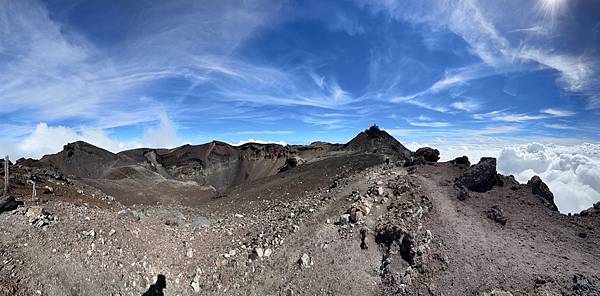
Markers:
557,112
467,105
477,25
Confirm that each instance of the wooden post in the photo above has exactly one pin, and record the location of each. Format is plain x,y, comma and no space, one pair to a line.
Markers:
6,176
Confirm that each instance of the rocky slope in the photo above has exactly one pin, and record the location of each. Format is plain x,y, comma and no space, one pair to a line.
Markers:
341,223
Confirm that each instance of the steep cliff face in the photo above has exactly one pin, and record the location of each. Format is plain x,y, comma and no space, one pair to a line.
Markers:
221,165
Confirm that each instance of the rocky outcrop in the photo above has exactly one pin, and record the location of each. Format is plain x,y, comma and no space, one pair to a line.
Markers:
428,154
377,141
8,203
592,211
496,215
480,177
292,162
461,161
539,188
81,159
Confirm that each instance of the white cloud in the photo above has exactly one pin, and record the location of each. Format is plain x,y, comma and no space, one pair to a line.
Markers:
496,130
468,106
509,117
162,136
45,139
428,123
558,112
517,117
571,172
560,126
482,25
415,102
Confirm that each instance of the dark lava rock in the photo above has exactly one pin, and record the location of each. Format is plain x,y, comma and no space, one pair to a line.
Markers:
585,285
594,210
429,154
539,188
480,177
2,163
463,193
414,160
496,214
407,248
291,162
463,160
8,203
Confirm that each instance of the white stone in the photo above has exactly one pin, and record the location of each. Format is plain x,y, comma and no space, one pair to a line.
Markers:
260,252
268,252
344,219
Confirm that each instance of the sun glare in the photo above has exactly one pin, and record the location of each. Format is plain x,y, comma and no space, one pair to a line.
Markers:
550,8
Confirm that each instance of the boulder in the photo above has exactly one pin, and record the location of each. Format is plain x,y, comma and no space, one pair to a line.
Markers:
34,212
344,219
480,177
539,188
305,261
8,203
496,214
130,215
461,161
463,193
414,160
292,162
356,215
428,154
593,210
407,248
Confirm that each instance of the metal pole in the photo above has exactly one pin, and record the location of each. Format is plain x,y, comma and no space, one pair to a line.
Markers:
6,177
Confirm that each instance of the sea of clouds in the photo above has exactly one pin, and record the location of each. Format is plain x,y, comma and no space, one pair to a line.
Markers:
571,172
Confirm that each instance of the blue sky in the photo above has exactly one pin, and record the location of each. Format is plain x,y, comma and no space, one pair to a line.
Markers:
122,74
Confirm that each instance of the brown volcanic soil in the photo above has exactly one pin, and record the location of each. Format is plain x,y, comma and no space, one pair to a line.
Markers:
420,238
535,253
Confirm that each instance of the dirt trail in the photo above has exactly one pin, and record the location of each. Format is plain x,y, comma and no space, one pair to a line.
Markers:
534,253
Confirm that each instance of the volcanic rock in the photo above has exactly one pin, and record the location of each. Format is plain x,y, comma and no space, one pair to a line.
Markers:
585,285
429,154
377,141
480,177
496,214
344,219
414,160
8,203
539,188
593,210
130,215
462,160
305,261
292,162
